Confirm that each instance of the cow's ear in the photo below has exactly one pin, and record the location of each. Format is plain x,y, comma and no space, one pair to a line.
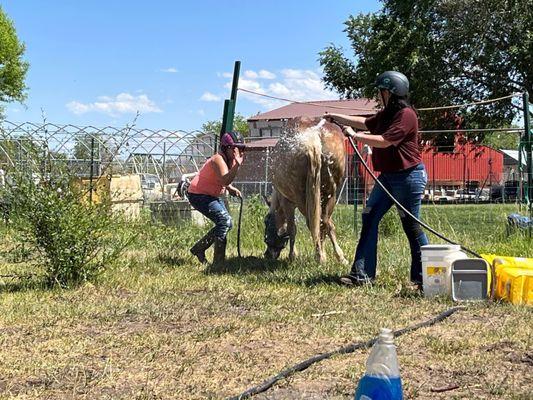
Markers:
266,199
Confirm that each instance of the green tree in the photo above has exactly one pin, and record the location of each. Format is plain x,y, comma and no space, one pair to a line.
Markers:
239,124
453,52
12,66
501,140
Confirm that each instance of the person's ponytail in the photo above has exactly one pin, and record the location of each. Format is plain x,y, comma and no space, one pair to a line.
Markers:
395,104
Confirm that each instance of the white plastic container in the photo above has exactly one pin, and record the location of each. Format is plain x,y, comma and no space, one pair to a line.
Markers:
437,262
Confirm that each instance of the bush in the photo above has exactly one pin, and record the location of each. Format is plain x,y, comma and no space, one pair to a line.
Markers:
71,236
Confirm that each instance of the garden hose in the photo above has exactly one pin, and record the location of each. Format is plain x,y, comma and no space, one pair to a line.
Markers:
399,205
301,366
239,228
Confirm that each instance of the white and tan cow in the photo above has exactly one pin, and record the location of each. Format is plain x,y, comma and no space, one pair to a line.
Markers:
308,166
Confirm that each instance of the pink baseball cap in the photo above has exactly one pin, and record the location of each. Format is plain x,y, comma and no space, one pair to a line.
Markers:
232,139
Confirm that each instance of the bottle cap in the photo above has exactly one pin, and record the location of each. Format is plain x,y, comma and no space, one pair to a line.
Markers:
386,336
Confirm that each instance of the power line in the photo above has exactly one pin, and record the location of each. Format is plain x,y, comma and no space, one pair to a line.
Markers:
305,102
488,101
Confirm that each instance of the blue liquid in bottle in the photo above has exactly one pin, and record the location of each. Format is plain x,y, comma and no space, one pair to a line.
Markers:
382,378
379,388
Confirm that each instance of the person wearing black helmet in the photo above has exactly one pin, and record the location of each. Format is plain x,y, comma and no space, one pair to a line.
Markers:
393,134
212,181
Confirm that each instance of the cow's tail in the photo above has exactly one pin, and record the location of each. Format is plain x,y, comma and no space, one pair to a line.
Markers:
312,192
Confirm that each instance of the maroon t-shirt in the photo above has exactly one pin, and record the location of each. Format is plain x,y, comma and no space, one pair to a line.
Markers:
402,132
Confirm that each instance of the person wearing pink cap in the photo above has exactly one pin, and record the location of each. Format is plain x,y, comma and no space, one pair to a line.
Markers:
211,182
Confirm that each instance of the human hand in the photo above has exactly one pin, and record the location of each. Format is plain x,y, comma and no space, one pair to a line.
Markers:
330,117
348,131
238,155
233,191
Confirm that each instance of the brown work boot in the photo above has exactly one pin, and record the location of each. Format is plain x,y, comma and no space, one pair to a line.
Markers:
220,251
200,247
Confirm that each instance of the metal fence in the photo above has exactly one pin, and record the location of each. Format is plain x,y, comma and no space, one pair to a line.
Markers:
462,173
160,157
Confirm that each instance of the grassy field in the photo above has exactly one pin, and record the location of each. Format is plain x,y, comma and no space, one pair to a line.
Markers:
158,325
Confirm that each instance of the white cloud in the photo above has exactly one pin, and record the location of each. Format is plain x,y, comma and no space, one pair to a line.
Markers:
264,74
261,74
123,103
292,84
251,74
171,70
208,96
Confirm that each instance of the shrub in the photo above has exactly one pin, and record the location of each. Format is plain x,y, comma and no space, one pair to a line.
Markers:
72,237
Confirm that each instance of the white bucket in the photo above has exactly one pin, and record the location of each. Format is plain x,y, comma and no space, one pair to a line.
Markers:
437,268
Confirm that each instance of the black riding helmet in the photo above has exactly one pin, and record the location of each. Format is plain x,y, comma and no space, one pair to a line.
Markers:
393,81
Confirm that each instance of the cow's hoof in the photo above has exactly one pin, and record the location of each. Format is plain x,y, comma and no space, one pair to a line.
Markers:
321,260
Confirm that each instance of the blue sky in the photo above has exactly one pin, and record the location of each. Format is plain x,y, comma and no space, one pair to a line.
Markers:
97,62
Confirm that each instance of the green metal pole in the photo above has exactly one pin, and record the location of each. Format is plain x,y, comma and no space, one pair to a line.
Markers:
229,104
235,84
520,173
356,193
529,163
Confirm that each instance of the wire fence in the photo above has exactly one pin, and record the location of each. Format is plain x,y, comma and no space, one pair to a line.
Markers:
159,157
461,173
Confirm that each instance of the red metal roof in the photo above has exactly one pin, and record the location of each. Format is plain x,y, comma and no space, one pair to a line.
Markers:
318,108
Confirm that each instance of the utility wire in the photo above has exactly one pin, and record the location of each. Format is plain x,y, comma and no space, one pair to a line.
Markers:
366,109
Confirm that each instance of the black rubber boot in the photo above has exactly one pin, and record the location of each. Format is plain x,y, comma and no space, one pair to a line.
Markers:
199,248
220,251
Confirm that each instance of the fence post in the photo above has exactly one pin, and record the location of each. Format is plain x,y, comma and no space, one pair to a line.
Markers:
229,105
266,169
91,172
529,163
355,192
163,178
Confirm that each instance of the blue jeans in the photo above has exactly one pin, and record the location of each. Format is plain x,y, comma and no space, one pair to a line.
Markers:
408,188
214,209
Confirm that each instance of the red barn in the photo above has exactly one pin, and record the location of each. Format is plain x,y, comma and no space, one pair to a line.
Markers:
465,164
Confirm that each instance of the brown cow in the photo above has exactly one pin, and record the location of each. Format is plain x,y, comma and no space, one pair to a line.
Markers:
308,166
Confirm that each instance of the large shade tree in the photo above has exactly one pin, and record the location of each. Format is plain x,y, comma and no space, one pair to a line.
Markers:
453,51
13,67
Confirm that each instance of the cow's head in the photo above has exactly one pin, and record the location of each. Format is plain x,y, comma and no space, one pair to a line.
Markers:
276,235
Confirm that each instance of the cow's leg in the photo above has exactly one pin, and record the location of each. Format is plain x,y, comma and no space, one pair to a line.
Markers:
317,242
289,209
323,233
331,230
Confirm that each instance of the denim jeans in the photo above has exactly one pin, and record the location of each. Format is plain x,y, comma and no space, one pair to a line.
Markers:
408,188
214,209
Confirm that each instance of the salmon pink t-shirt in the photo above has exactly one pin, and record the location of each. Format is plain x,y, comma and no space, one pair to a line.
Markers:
402,132
206,181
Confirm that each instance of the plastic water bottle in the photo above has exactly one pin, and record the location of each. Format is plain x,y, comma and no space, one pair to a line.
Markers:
382,378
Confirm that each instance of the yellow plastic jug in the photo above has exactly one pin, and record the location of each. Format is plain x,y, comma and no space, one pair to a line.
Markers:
514,278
